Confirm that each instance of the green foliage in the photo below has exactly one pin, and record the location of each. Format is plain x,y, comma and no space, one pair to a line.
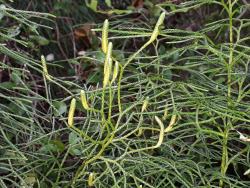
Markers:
194,77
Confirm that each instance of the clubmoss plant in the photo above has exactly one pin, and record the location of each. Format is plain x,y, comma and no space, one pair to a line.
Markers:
108,126
173,110
198,112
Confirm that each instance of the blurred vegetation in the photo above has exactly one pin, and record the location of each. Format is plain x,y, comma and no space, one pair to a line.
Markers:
193,79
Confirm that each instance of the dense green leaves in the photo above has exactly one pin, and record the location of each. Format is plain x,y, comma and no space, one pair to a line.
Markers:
196,71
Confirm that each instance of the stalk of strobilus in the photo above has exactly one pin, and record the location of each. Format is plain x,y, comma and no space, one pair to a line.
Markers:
153,37
143,108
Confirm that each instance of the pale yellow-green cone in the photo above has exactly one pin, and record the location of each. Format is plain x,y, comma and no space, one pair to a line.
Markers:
84,100
139,132
71,112
165,114
171,123
115,72
45,70
91,180
110,66
145,105
105,36
161,137
107,65
156,30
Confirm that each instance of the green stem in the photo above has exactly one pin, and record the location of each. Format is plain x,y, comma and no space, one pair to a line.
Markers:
110,102
105,143
122,71
230,63
80,170
103,103
224,159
